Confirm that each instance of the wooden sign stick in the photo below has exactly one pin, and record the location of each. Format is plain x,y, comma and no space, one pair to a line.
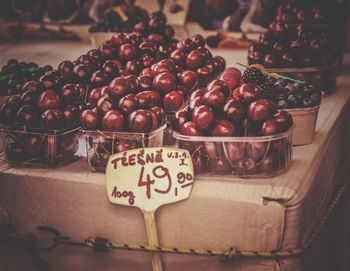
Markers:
152,236
156,177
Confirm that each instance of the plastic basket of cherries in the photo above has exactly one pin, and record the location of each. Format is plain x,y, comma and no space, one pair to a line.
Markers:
234,130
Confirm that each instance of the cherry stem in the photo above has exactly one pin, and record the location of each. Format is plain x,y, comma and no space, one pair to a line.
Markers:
275,75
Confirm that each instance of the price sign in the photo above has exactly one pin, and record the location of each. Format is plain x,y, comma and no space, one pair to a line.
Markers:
148,178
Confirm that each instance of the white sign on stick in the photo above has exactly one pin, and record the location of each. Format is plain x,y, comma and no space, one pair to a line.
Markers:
148,178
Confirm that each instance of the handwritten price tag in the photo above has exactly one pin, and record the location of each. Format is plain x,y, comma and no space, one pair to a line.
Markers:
148,178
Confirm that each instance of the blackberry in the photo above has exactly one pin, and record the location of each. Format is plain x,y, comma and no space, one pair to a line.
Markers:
266,90
253,75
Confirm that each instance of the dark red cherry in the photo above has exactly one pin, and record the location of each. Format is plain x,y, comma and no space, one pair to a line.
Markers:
173,100
52,119
119,87
28,116
164,82
235,111
189,128
104,105
261,110
69,93
203,116
89,119
128,104
113,121
140,121
224,128
48,99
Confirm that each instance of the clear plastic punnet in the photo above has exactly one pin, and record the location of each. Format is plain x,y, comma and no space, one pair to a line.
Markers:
50,148
100,145
264,156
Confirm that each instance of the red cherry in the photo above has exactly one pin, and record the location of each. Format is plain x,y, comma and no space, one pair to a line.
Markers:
48,99
232,77
155,38
235,111
119,87
189,128
104,105
145,81
269,127
27,115
214,98
199,92
256,150
52,119
173,100
188,79
245,167
160,113
179,119
128,103
119,39
195,102
70,93
219,85
260,110
179,57
284,121
164,82
224,128
94,95
235,150
89,119
194,59
113,121
221,63
198,40
203,116
248,92
140,121
106,91
112,67
70,115
99,78
205,75
33,86
127,52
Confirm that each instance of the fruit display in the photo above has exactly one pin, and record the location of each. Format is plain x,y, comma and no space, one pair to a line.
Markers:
299,52
287,94
121,18
41,124
301,100
233,129
284,46
15,74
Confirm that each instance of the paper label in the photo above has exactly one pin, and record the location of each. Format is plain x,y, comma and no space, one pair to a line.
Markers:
148,178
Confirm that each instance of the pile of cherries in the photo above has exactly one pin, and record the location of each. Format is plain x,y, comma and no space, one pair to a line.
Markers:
192,54
14,74
36,118
310,12
286,46
233,110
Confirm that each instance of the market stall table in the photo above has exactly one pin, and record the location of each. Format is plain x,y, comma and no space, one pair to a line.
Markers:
249,214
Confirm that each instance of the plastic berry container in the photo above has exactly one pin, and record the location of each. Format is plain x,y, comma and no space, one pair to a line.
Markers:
245,157
322,77
305,122
100,145
48,148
